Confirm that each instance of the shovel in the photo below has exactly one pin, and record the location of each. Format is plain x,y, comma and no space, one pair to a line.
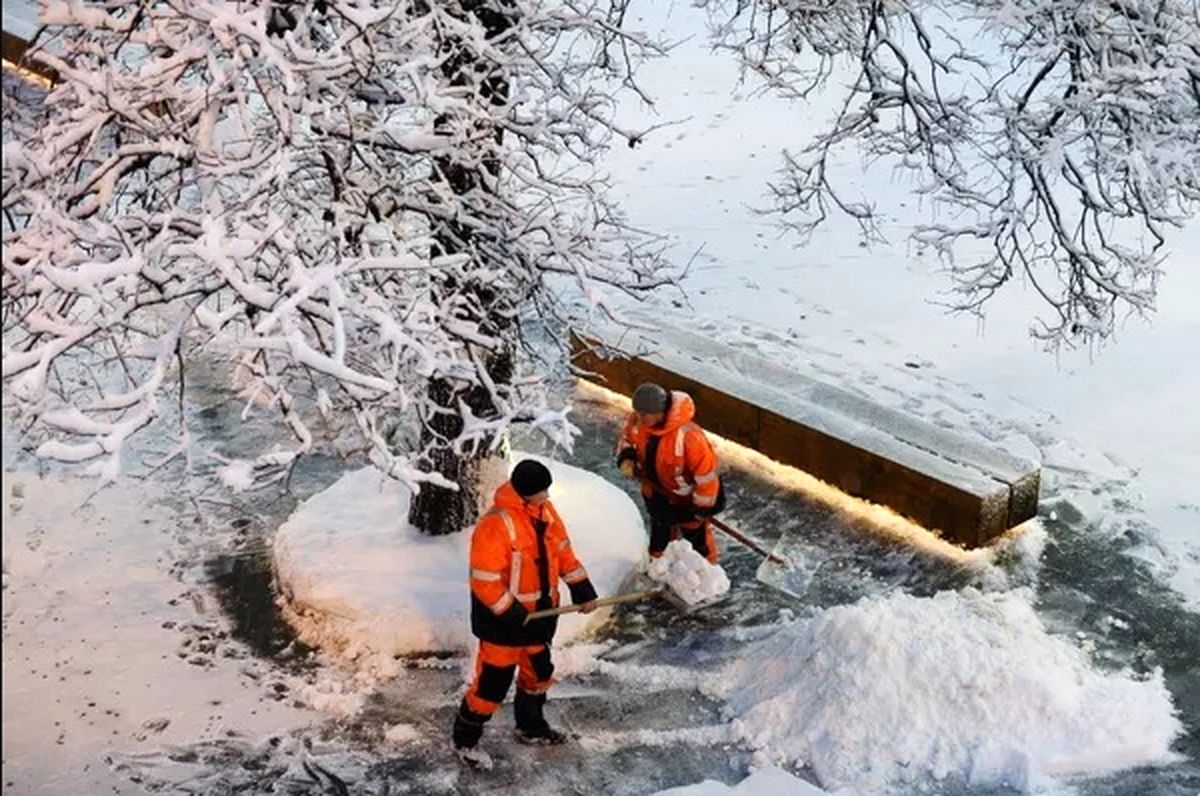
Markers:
748,542
734,533
628,597
800,562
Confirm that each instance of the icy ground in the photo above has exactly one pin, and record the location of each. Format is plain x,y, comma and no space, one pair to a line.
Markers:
640,696
189,618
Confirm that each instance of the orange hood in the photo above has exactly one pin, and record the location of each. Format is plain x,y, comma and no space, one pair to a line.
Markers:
681,411
507,498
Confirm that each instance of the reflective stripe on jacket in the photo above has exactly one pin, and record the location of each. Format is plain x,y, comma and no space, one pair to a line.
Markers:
518,554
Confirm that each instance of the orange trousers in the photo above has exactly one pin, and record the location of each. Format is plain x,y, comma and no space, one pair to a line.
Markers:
495,665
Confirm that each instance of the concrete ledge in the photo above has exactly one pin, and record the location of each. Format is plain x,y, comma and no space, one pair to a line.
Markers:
967,491
13,47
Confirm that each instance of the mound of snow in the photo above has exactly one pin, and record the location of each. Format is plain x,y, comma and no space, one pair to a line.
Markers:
355,579
688,574
900,688
768,781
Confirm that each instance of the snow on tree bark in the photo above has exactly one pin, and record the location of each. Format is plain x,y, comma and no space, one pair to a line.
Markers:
1058,141
369,209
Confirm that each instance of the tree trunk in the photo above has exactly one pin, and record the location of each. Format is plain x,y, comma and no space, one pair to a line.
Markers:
437,510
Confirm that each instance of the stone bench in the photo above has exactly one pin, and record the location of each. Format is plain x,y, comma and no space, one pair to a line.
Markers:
966,491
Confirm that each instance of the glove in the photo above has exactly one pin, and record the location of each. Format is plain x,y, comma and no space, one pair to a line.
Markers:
627,462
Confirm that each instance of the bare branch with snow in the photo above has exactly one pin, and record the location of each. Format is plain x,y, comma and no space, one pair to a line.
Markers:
348,202
1057,141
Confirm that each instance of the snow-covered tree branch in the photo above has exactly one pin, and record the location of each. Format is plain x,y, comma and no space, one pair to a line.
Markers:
1058,141
365,206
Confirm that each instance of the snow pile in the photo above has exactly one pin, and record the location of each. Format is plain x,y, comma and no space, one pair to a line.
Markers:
356,580
768,781
966,684
688,574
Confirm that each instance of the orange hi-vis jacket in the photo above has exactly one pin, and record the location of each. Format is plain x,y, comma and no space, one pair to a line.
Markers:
518,553
684,465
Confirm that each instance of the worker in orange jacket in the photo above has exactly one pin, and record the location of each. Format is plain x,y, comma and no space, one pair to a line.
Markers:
662,445
519,551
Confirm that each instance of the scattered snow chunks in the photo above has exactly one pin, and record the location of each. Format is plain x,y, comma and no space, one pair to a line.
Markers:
237,475
688,574
900,688
357,581
401,734
331,695
767,781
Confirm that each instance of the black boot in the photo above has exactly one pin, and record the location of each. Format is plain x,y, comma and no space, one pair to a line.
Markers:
468,729
532,727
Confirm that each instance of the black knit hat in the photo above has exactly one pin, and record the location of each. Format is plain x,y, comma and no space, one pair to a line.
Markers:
530,477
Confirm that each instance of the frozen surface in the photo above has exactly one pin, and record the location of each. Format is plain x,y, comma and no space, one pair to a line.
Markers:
869,319
357,580
768,781
106,652
21,18
688,574
902,688
637,694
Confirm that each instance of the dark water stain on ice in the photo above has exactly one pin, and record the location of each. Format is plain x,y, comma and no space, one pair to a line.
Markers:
243,583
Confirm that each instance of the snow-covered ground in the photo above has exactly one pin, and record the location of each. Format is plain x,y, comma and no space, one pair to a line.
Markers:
357,580
767,781
645,696
109,651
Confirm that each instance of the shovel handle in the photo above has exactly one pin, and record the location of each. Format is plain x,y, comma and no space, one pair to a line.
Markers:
735,533
748,542
628,597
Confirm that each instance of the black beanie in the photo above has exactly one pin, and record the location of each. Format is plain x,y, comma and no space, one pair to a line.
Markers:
530,477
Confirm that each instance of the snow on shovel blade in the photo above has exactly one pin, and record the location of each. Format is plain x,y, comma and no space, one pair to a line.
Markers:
804,559
686,607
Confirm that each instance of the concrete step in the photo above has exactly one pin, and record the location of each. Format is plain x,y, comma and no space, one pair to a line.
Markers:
967,491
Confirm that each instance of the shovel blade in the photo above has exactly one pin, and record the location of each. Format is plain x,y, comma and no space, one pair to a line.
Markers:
804,560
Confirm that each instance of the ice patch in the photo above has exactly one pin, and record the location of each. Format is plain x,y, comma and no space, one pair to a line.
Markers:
900,688
608,742
688,574
1062,455
767,781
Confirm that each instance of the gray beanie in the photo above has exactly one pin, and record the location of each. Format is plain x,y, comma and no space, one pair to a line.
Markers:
649,398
